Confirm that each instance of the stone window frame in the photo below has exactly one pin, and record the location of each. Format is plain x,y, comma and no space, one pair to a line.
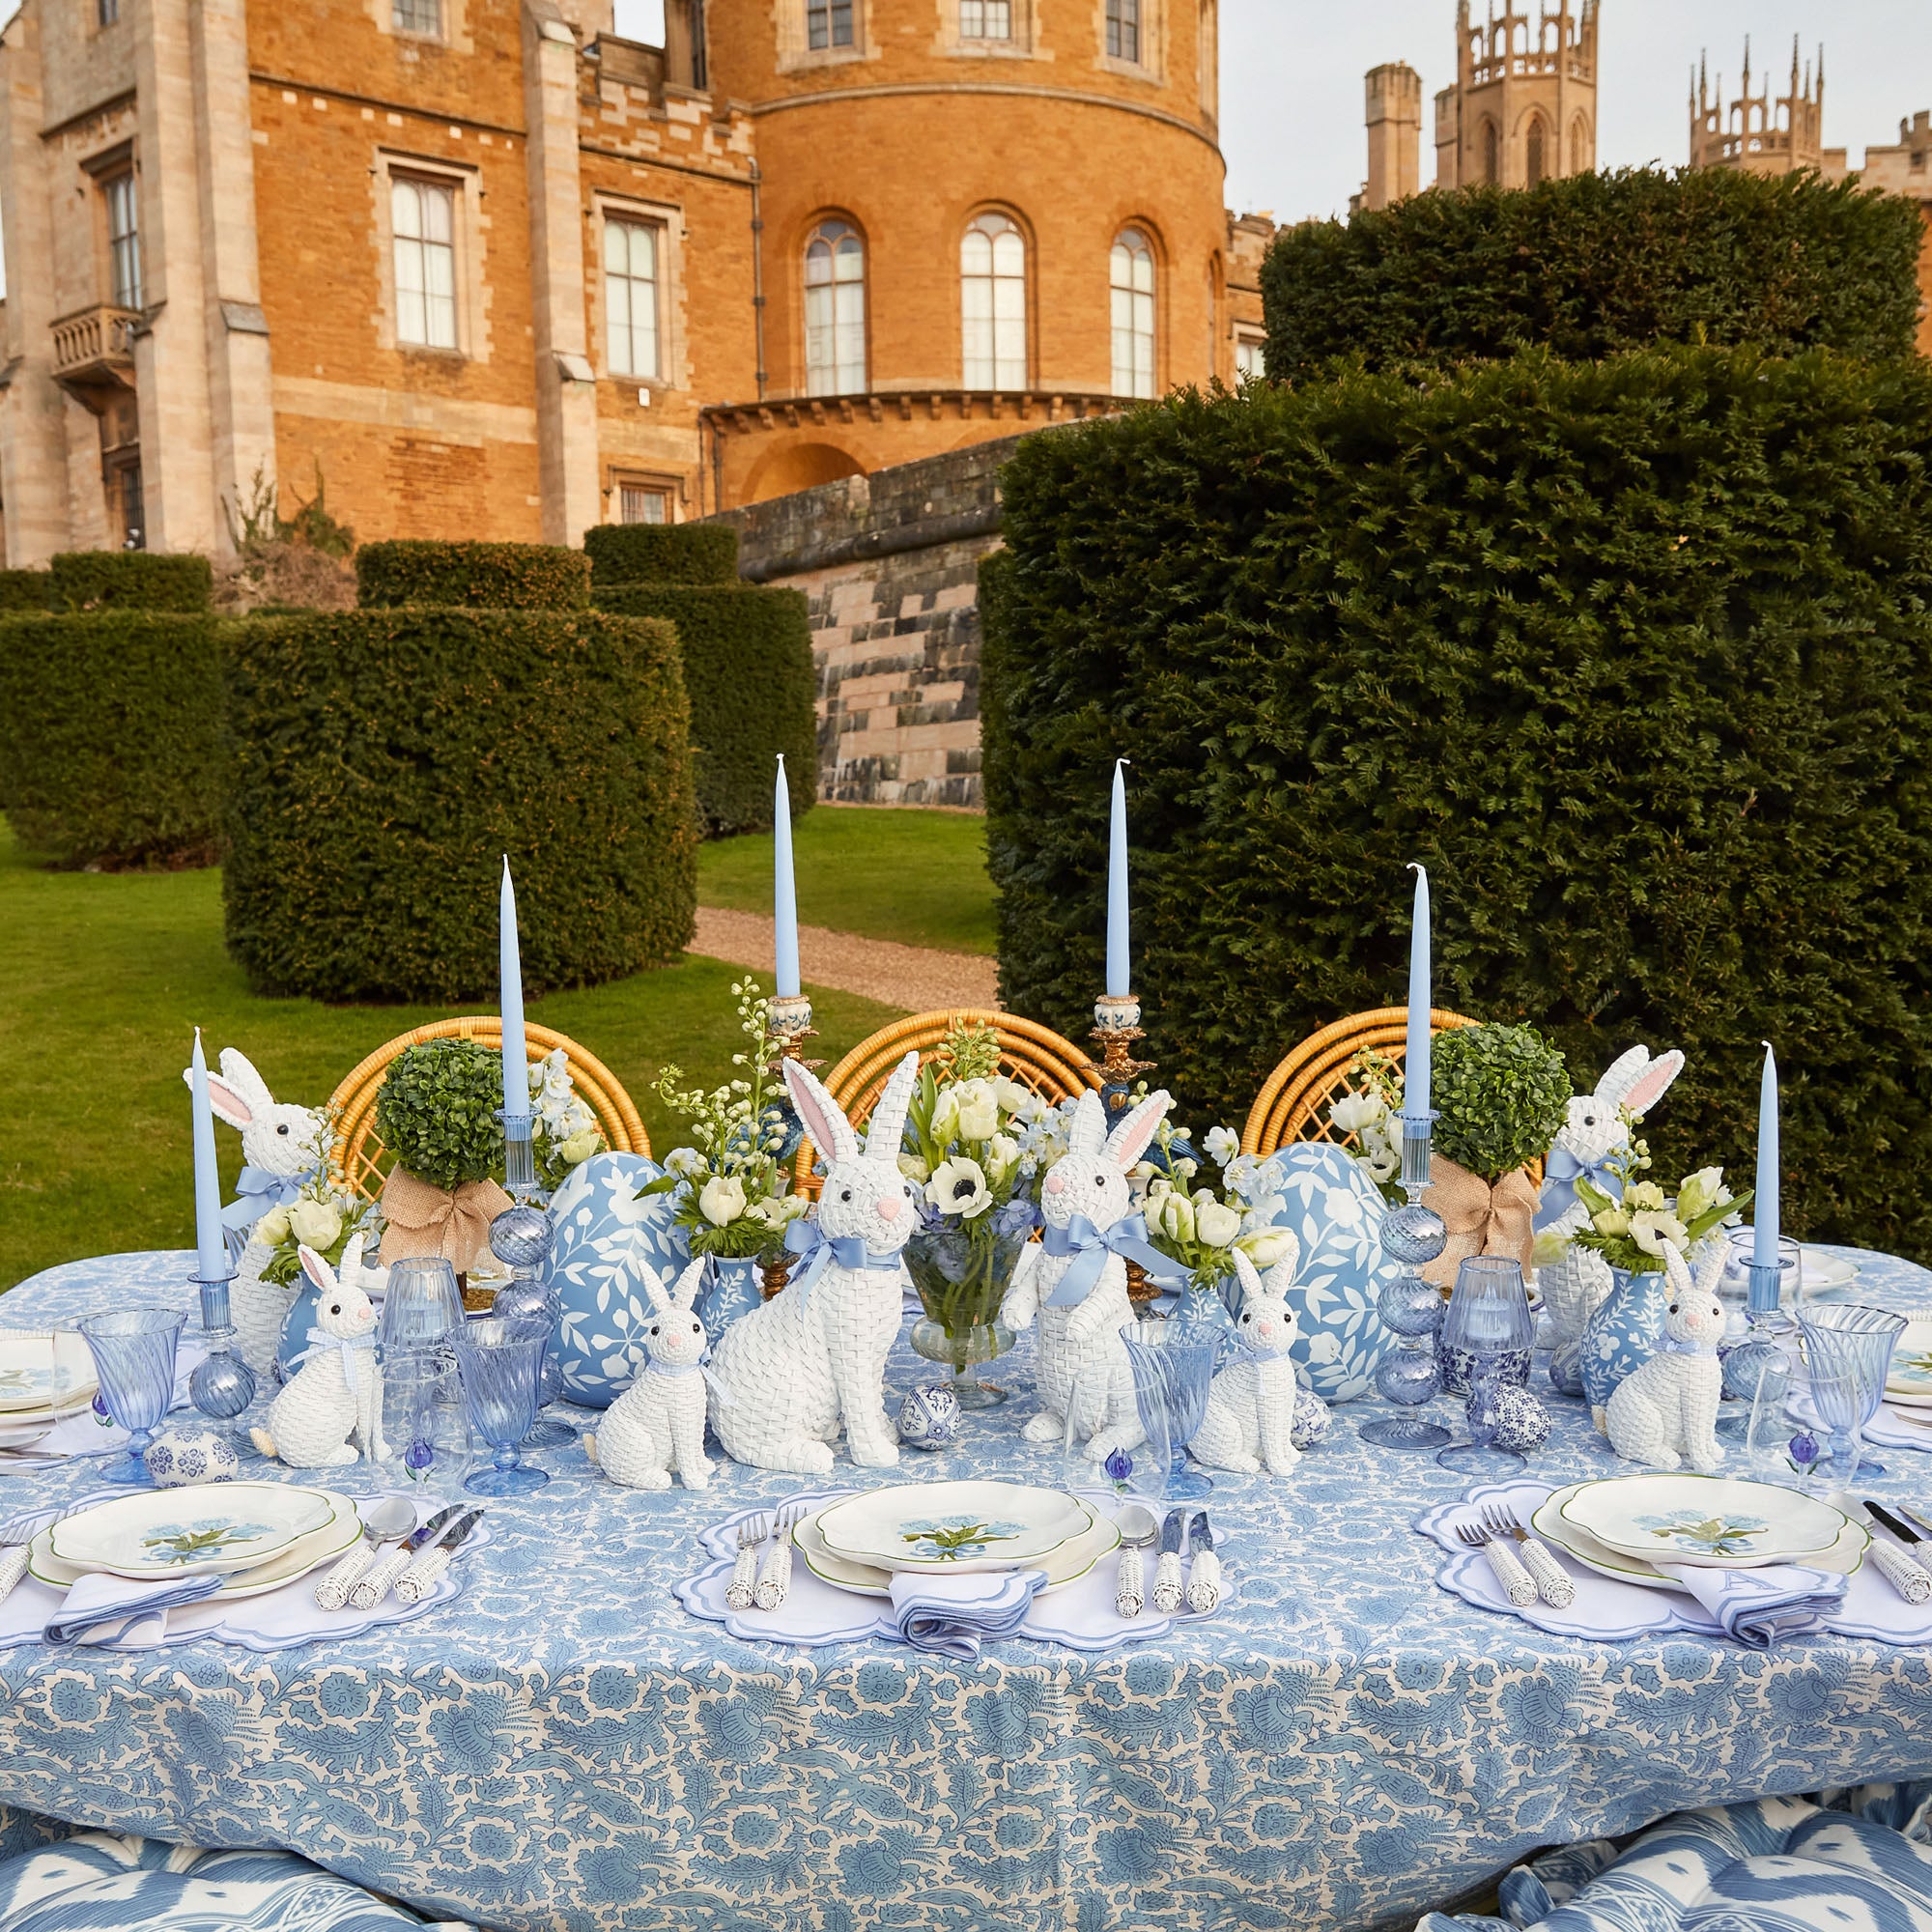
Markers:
795,53
667,218
455,35
112,164
464,180
667,483
1246,335
1019,45
809,232
1152,66
1030,287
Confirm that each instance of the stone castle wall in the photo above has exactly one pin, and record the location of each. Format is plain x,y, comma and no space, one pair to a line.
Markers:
889,564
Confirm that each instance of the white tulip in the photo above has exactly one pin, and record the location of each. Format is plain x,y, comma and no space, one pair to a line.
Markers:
273,1229
1265,1246
1216,1223
316,1224
722,1199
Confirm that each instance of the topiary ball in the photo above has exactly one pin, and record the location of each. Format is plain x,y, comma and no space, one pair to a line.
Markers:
930,1417
1522,1423
1501,1095
1311,1419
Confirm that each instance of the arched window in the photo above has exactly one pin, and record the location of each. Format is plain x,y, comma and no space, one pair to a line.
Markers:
1491,173
1130,278
1533,152
1580,147
993,303
835,311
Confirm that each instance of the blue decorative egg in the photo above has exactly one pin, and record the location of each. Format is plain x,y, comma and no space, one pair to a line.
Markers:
1522,1423
602,1237
1311,1419
930,1417
184,1456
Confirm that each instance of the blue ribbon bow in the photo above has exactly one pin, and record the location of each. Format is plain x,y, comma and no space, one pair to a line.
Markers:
320,1343
1560,1174
256,1192
1090,1248
818,1251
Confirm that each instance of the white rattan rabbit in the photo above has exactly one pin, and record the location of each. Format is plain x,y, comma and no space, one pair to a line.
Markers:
1575,1279
657,1426
337,1392
789,1375
1250,1419
281,1145
1077,1282
1665,1413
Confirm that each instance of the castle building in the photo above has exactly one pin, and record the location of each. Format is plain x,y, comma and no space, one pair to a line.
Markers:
1759,135
490,270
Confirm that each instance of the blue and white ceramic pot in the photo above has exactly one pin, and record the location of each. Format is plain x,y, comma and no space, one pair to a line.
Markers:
733,1285
1204,1309
1625,1329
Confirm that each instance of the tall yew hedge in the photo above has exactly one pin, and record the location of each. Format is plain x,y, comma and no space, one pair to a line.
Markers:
1593,264
1636,656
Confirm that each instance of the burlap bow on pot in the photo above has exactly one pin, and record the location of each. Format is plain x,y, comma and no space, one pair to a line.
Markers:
423,1219
1481,1219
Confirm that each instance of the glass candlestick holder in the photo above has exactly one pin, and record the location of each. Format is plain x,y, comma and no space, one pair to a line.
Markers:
223,1384
1761,1363
520,1238
1412,1234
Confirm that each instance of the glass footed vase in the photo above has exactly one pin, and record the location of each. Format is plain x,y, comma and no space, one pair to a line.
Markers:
962,1273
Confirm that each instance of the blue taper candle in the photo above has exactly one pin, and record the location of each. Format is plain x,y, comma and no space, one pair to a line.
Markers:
516,1058
1415,1066
785,894
1764,1201
1120,973
210,1247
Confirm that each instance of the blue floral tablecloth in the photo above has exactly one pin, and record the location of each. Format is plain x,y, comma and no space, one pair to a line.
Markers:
564,1747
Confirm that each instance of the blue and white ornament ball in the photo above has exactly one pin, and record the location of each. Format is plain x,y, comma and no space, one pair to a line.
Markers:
930,1417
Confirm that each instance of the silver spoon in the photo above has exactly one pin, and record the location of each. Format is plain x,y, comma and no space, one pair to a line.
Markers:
1140,1529
392,1518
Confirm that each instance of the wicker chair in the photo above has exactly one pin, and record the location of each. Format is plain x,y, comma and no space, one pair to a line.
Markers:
1031,1054
359,1149
1293,1104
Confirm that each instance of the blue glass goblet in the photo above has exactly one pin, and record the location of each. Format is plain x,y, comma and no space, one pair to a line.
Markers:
1172,1367
499,1359
1848,1346
133,1351
1481,1456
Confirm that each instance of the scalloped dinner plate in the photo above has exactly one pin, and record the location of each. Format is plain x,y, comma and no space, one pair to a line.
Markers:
1723,1522
1067,1564
952,1528
203,1529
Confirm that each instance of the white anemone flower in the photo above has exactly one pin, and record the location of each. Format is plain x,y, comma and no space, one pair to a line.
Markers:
958,1186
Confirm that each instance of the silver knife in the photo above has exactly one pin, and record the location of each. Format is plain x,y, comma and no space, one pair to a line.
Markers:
1907,1534
432,1531
1167,1591
421,1577
1204,1578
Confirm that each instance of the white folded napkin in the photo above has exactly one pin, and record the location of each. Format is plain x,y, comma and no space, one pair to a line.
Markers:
101,1608
1760,1607
951,1615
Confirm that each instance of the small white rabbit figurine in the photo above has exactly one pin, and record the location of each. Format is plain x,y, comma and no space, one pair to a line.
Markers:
1665,1414
1076,1281
789,1375
280,1144
1250,1419
337,1392
657,1426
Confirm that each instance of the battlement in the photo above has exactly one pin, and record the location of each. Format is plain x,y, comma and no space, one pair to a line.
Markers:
1518,46
1761,132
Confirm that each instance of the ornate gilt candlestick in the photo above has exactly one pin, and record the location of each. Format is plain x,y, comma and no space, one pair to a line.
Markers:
1117,1025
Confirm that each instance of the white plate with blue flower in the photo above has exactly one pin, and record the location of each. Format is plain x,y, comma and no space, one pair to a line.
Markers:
1067,1564
953,1529
40,1368
1717,1522
1908,1380
206,1529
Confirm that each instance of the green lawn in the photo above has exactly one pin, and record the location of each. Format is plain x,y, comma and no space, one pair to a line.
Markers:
916,876
103,977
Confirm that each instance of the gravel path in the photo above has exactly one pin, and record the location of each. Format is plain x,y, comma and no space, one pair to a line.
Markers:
915,979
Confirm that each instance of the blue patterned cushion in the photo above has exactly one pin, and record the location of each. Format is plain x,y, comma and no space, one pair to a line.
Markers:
109,1884
1326,1197
602,1233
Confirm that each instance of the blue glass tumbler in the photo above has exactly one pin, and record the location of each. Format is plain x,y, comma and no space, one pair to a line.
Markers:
1173,1366
499,1359
133,1351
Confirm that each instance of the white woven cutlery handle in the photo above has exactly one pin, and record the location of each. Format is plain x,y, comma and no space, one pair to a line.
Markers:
1904,1576
375,1586
1167,1583
1922,1554
332,1592
775,1578
1130,1585
1203,1583
1519,1585
419,1578
743,1592
1554,1584
13,1566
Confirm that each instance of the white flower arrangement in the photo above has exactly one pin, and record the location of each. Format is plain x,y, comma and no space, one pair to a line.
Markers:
1201,1228
1640,1231
566,1132
322,1216
1366,1119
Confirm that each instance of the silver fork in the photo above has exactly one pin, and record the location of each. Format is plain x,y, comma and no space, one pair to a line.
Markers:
1554,1583
752,1532
775,1578
1519,1585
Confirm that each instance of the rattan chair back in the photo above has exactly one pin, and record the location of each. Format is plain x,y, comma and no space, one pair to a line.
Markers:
359,1149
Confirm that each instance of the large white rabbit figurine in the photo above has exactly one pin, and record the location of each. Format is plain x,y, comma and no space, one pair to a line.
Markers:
280,1143
657,1426
1250,1419
337,1392
1575,1279
1665,1413
787,1377
1076,1281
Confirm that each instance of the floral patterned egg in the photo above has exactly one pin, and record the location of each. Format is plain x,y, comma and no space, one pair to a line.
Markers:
1335,1210
1311,1419
603,1235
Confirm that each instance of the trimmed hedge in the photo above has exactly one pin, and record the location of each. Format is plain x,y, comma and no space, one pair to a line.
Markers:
382,762
748,667
128,579
1593,264
477,576
109,756
1636,657
23,590
660,554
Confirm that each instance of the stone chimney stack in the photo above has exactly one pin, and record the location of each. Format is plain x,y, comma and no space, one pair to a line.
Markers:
1394,133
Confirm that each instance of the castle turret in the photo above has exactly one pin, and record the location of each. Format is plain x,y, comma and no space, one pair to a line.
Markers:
1524,105
1394,133
1760,134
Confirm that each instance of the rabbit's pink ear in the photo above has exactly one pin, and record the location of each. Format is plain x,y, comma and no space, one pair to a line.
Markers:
1651,1084
685,1294
223,1100
1129,1139
316,1266
238,1071
1089,1131
824,1120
